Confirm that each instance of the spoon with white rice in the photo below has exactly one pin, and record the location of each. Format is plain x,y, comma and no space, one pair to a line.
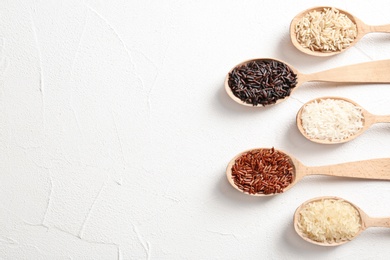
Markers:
335,120
332,221
326,31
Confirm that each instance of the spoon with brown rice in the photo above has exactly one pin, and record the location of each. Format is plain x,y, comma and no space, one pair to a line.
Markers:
326,31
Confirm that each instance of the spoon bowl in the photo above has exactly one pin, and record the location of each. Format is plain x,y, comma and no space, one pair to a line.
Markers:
367,72
365,222
237,99
365,169
229,171
368,120
362,30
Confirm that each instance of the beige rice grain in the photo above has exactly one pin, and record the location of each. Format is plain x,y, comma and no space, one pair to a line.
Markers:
326,31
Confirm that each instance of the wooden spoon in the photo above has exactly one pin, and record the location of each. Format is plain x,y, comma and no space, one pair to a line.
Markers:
377,169
365,222
362,29
368,120
367,72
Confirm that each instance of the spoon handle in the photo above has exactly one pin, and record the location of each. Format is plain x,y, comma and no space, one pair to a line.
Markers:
377,222
382,119
369,169
367,72
379,28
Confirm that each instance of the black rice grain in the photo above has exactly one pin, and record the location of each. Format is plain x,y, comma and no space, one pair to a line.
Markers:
262,82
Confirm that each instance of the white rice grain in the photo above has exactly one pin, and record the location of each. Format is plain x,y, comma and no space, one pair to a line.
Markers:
331,119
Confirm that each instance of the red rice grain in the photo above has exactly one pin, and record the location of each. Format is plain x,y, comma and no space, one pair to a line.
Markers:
263,171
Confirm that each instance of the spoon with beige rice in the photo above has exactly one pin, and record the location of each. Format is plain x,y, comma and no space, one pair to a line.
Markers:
326,31
332,221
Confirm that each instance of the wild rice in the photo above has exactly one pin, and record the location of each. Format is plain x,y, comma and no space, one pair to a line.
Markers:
326,31
262,81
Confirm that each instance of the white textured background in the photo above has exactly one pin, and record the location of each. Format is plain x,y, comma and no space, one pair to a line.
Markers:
115,131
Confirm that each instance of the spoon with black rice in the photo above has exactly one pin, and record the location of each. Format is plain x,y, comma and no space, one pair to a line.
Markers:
264,81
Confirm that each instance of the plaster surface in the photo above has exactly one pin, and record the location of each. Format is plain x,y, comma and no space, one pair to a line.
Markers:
115,131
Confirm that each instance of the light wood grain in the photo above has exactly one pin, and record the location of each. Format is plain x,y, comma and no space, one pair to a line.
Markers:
365,221
377,169
368,120
362,29
367,169
367,72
